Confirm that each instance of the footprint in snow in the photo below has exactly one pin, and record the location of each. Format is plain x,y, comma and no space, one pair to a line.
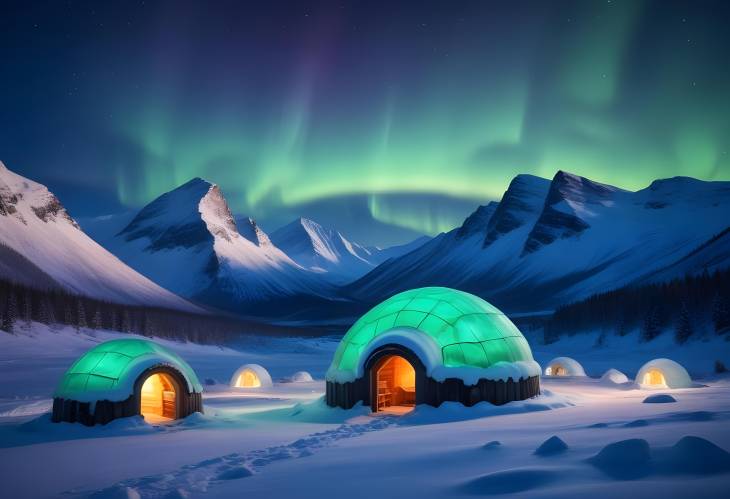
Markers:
200,476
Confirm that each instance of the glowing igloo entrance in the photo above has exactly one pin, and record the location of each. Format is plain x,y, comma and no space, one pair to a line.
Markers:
395,385
158,398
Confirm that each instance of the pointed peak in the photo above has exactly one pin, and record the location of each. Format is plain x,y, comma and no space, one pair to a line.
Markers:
477,222
249,229
196,182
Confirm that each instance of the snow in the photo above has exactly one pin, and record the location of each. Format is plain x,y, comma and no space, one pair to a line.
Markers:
192,228
627,241
285,442
572,367
59,248
551,446
675,376
300,377
324,250
261,373
614,376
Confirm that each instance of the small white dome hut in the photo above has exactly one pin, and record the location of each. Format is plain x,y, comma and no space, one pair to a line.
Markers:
251,376
564,366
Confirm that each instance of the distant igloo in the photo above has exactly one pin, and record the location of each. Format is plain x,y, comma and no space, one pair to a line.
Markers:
251,376
614,376
300,377
663,373
564,366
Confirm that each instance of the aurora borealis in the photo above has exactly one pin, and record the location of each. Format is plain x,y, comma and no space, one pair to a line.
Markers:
413,112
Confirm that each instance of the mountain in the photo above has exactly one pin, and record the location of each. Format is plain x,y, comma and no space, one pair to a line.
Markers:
41,245
188,241
379,255
323,250
327,252
550,242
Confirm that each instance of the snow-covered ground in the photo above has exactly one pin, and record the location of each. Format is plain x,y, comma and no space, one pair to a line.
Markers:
285,442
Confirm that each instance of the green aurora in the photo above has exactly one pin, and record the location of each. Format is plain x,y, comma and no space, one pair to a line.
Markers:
404,105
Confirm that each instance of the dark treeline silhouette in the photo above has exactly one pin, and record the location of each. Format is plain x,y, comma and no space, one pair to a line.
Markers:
682,307
21,304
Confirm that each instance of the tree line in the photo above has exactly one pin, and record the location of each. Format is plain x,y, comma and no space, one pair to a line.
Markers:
682,306
21,304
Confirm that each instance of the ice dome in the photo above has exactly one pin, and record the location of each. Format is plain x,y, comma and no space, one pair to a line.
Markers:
131,374
663,373
300,377
564,366
251,376
450,334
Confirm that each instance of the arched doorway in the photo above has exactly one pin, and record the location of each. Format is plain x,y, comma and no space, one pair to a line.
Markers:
654,377
557,370
158,398
248,379
394,383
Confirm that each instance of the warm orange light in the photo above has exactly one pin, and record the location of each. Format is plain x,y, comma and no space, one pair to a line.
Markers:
557,370
248,379
654,377
396,384
158,401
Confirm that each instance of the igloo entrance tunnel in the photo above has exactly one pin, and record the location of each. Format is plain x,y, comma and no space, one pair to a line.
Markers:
428,346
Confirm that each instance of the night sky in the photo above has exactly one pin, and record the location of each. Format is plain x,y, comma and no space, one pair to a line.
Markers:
409,112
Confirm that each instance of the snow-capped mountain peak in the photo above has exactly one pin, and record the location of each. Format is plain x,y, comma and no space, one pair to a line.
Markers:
188,239
17,191
477,222
322,249
34,224
570,204
520,205
249,229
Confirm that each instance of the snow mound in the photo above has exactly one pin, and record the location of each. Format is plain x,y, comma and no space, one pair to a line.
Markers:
694,455
455,411
511,481
659,398
300,377
614,376
494,444
119,492
551,446
632,459
564,366
624,460
235,473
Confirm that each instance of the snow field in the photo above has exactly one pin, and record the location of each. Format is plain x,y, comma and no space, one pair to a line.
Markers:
285,442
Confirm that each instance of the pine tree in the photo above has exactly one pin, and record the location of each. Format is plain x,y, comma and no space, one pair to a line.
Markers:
651,328
126,321
43,312
720,314
27,307
11,312
80,315
68,316
96,321
113,320
683,329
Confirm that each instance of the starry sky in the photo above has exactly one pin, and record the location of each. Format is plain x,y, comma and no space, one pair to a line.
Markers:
383,119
